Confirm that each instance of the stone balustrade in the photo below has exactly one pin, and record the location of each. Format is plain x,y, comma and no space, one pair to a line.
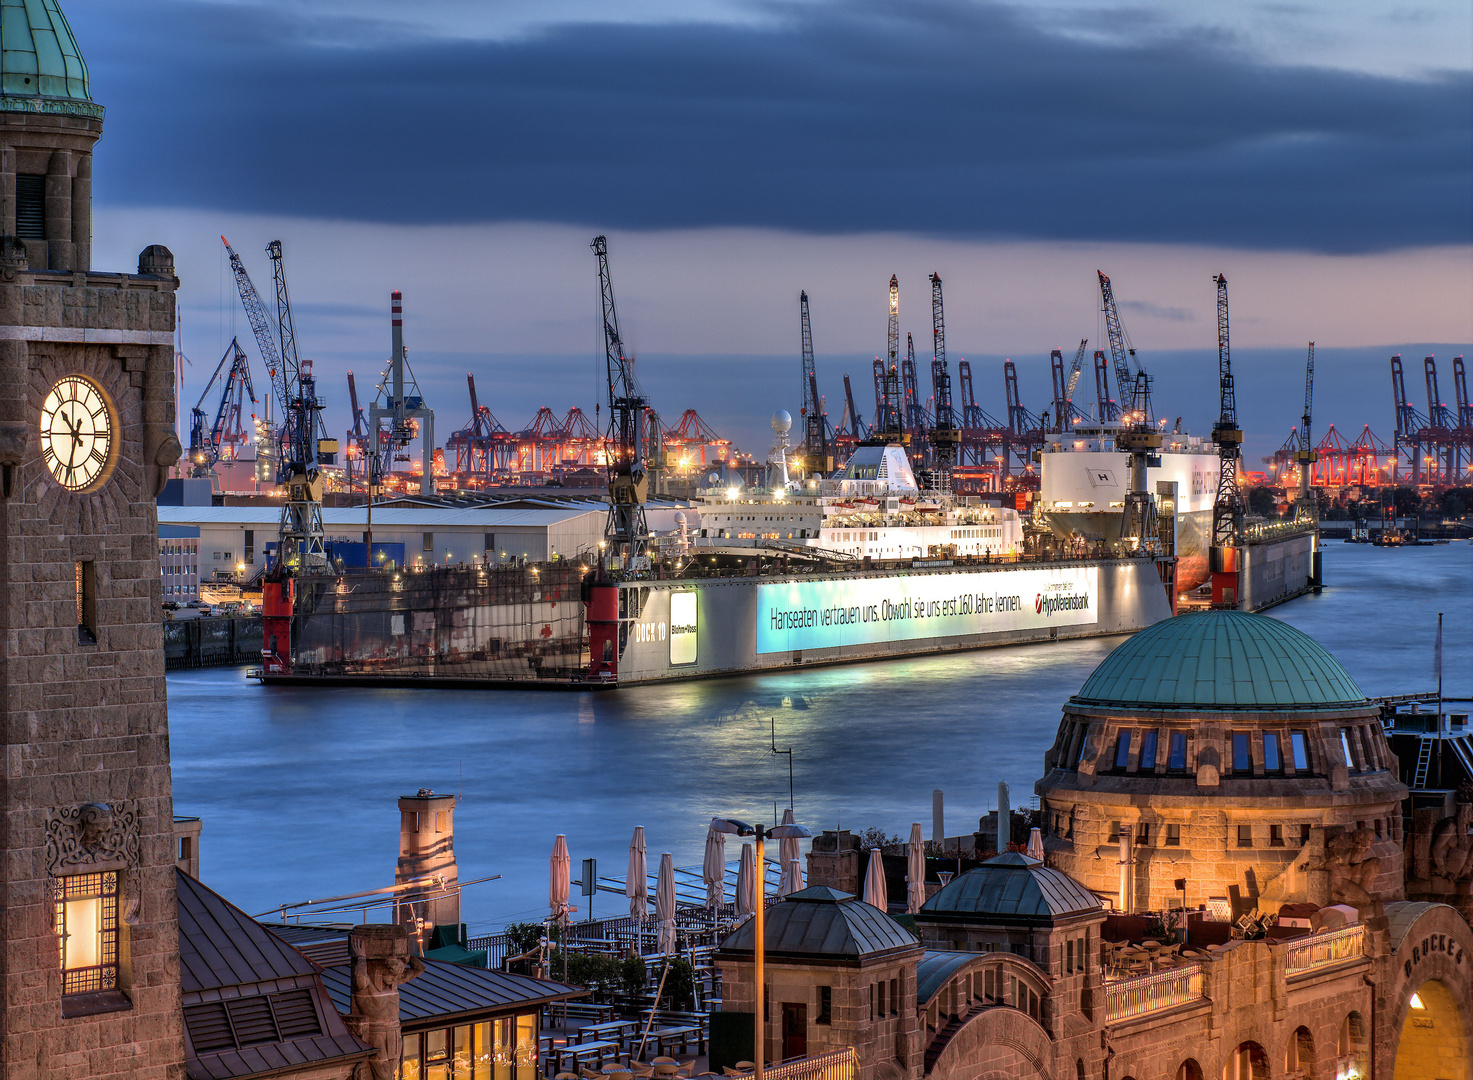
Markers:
1135,996
1323,950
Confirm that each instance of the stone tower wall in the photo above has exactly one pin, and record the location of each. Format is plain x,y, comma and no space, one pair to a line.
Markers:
84,723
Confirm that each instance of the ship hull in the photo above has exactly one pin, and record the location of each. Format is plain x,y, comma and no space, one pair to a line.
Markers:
739,625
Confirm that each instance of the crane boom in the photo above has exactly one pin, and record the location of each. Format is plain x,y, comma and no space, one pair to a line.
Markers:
1119,350
1306,455
260,323
624,444
815,424
856,424
1074,371
1227,510
1305,441
945,434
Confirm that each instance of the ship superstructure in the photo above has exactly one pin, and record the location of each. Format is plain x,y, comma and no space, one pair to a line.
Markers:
1085,478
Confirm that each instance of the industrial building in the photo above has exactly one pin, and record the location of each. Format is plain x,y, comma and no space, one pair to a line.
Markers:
233,540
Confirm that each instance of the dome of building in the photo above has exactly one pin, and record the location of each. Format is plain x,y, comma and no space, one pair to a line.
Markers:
1011,887
1220,660
38,54
820,921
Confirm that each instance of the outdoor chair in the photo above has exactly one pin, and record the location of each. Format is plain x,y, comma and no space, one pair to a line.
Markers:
747,1066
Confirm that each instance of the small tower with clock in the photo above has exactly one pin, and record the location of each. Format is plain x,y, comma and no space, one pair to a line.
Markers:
89,940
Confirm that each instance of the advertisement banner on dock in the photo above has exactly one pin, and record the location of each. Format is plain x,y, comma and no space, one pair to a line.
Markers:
684,628
797,615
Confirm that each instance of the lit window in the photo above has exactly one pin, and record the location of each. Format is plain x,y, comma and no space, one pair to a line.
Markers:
86,917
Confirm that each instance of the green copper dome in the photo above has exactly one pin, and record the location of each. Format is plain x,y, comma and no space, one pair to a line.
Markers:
39,59
1220,660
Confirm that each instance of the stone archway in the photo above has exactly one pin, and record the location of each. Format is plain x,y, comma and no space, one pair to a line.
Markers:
1432,1045
1299,1055
1247,1062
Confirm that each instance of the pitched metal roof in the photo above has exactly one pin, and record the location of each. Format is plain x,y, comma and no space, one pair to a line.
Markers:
819,921
220,945
445,991
1013,888
252,1004
1220,660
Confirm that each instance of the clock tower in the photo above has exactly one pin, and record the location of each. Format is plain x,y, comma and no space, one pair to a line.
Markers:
89,938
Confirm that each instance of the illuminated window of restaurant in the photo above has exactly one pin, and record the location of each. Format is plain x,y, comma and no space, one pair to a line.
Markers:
86,594
86,920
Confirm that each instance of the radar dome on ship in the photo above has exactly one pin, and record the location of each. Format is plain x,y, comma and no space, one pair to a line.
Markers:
782,421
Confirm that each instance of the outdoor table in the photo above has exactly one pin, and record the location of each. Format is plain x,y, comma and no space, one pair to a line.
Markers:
666,1038
580,1052
610,1029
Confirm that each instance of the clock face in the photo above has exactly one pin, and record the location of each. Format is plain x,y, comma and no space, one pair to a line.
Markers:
77,432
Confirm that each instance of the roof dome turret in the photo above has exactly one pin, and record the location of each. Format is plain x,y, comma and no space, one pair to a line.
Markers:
1220,660
39,58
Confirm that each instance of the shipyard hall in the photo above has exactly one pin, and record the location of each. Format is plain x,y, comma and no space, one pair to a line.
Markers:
1239,871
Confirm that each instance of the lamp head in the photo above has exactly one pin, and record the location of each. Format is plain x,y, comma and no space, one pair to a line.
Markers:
732,826
790,832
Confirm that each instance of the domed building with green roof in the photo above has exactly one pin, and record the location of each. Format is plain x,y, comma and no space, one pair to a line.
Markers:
48,127
1231,753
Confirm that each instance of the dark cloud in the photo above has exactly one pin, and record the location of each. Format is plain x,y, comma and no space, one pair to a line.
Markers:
941,118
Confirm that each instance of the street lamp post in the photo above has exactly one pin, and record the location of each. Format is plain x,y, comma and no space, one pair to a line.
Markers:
759,926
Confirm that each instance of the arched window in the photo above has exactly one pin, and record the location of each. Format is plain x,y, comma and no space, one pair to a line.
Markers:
1352,1041
1300,1054
1248,1062
1189,1070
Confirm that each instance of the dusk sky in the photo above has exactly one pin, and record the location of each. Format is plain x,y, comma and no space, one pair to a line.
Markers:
1320,154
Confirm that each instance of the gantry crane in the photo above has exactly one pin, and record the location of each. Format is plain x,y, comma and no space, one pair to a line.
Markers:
626,530
227,434
1306,455
815,424
398,414
357,448
303,446
853,424
945,432
1227,509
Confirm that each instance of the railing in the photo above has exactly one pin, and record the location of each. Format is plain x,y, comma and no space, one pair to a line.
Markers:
1322,950
836,1065
1142,994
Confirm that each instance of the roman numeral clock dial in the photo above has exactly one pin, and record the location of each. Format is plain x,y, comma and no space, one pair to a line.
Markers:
77,440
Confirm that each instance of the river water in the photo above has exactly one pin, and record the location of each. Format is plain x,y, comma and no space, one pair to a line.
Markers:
297,787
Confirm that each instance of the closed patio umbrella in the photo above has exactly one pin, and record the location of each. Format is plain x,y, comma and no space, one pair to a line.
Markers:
713,869
874,881
665,903
746,882
1035,845
561,869
636,882
915,870
792,879
788,851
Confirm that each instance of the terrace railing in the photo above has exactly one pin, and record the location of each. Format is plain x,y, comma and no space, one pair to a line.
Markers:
1323,950
1141,994
836,1065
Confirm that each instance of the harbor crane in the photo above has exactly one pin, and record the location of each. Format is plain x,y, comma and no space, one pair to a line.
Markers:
852,423
227,434
1065,411
1411,426
1120,351
1227,509
945,432
816,455
357,446
916,420
889,425
1306,455
398,414
626,530
303,445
